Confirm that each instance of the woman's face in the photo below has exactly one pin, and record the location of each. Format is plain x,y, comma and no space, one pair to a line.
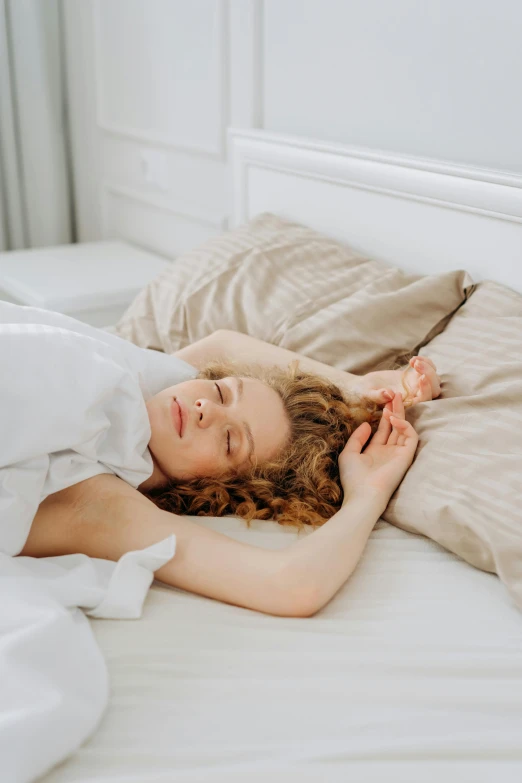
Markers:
205,428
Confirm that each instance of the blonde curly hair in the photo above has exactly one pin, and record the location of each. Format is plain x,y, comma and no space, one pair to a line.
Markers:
301,485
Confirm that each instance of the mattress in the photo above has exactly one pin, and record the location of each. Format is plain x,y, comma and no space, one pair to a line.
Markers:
412,672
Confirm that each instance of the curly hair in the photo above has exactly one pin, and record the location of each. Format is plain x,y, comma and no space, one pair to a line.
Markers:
301,485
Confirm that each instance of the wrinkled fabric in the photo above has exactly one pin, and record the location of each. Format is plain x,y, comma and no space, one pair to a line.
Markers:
54,683
463,489
297,288
72,405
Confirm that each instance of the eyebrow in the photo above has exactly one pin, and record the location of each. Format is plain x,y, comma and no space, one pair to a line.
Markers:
248,431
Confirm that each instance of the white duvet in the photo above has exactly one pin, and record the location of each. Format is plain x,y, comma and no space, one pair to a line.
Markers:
72,405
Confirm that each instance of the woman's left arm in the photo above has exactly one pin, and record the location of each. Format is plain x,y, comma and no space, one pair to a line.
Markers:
422,379
228,345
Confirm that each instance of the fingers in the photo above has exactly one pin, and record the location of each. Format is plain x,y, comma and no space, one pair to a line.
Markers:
428,382
393,429
424,392
396,413
400,432
384,428
394,434
424,359
434,382
358,438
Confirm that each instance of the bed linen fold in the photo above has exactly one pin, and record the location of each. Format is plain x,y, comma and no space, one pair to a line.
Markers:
54,684
72,406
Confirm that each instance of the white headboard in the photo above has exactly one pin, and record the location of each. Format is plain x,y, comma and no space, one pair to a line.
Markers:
421,215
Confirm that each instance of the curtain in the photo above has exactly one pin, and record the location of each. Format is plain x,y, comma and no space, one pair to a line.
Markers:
36,192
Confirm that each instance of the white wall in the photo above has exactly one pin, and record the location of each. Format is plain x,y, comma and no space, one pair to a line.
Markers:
153,85
148,90
434,78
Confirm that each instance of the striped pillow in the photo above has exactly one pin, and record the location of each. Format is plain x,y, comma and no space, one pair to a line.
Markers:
294,287
464,487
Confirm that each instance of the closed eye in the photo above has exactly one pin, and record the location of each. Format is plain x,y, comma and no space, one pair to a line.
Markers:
228,433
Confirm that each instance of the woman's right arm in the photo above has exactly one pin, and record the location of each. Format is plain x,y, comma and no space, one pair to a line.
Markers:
105,517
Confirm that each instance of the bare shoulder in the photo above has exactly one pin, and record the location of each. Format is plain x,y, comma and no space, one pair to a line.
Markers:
97,491
103,517
65,518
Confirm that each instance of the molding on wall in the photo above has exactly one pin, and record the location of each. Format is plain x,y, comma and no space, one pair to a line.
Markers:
480,191
382,156
207,219
158,140
422,216
218,150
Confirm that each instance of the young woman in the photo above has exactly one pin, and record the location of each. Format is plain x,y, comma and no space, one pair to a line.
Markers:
260,444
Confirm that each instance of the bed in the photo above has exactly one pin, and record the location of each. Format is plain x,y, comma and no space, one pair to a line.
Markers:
414,670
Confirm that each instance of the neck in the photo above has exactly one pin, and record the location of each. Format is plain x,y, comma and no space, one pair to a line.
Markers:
156,479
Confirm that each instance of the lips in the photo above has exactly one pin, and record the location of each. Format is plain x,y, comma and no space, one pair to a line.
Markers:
176,416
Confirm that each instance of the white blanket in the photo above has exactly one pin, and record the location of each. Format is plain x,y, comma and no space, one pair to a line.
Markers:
72,405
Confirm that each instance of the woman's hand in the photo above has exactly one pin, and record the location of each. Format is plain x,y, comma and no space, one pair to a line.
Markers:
418,382
381,467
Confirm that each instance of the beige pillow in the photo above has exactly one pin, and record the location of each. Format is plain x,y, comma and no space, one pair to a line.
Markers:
291,286
464,487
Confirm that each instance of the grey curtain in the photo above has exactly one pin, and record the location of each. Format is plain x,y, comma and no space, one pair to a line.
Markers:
36,206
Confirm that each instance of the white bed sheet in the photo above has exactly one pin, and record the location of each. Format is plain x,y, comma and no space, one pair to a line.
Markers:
413,672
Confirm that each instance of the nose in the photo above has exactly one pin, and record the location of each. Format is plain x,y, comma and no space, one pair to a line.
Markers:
208,412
